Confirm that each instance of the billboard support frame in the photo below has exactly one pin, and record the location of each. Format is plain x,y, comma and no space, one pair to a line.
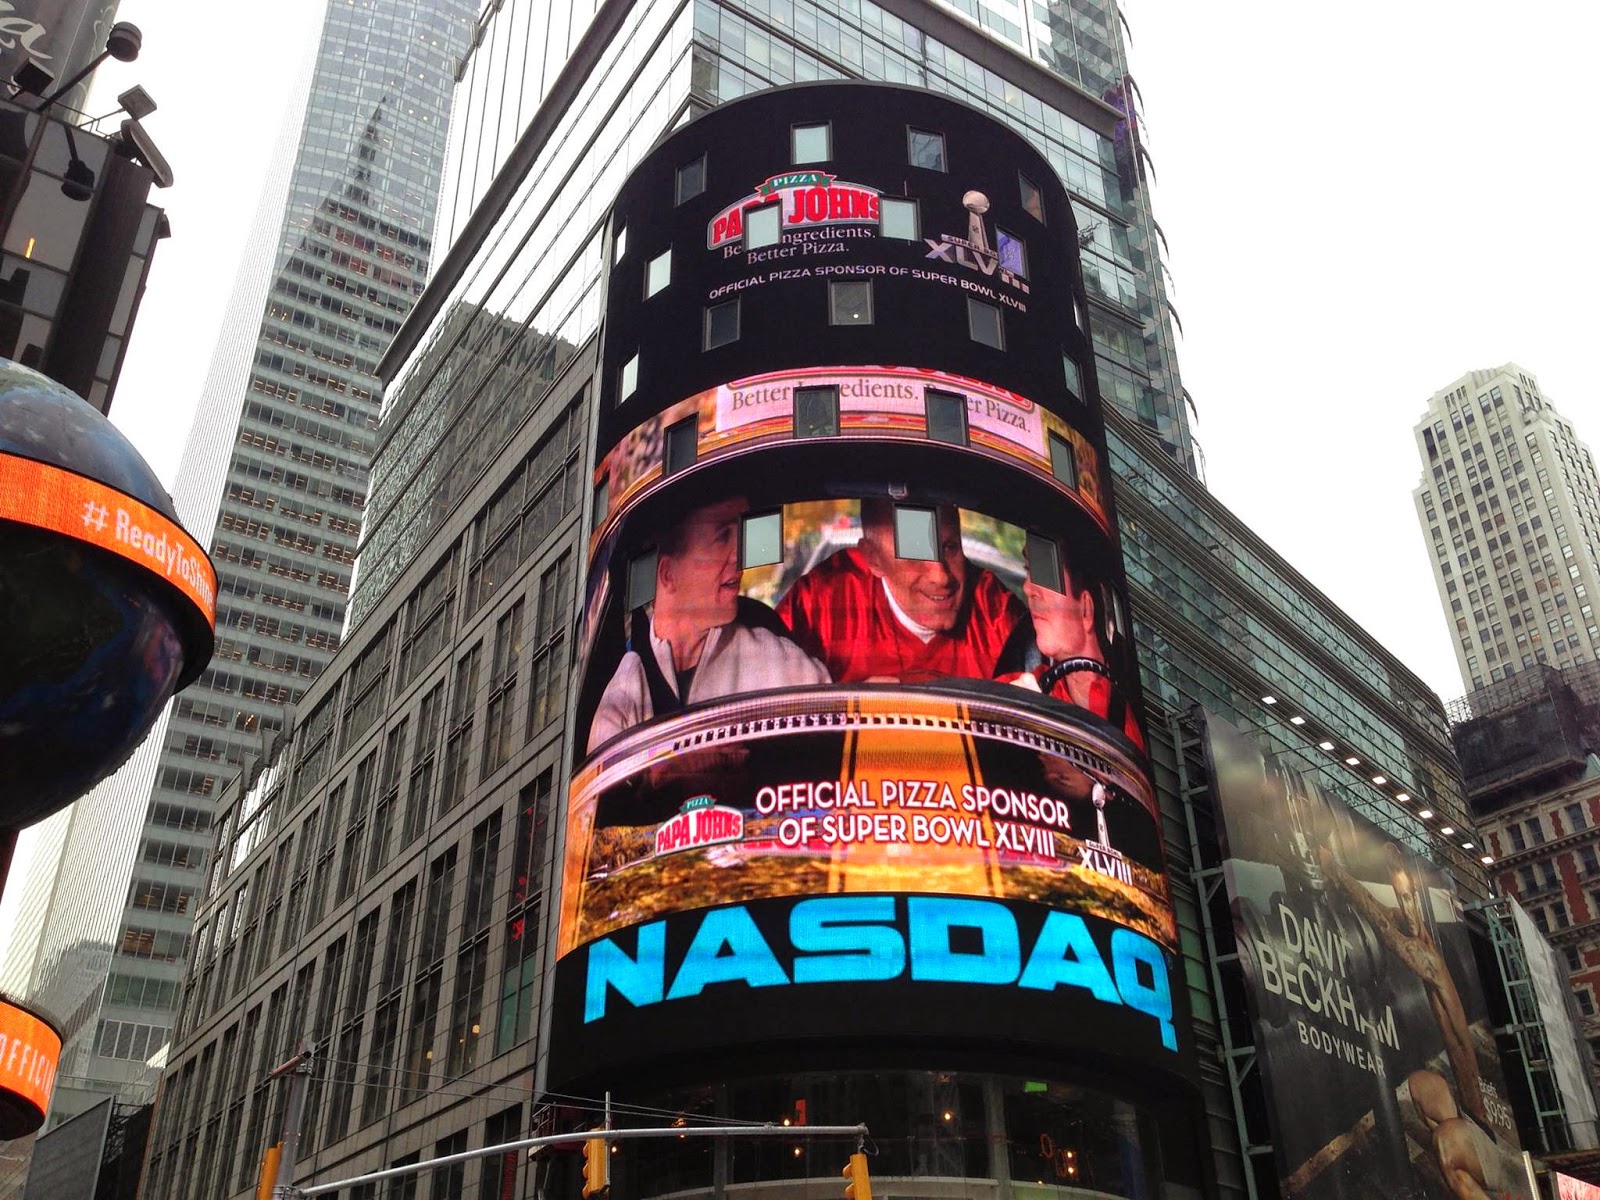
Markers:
1527,1026
1239,1061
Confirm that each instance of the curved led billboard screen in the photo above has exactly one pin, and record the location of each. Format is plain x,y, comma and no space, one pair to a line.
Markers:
858,753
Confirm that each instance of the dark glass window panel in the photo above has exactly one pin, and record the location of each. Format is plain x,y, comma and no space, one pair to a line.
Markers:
925,149
681,439
1044,562
1032,198
947,417
816,412
691,179
722,324
1063,460
984,324
850,302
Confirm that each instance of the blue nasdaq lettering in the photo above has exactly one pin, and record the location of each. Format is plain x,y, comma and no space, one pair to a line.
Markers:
860,939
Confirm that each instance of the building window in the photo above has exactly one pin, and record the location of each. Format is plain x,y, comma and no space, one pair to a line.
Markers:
761,540
816,412
916,533
463,707
628,379
658,273
898,219
1074,376
691,179
1585,997
947,416
925,149
722,324
850,302
1032,198
642,580
763,226
682,439
810,143
1063,460
602,501
1575,818
1044,562
520,968
619,244
1012,252
984,324
499,738
547,679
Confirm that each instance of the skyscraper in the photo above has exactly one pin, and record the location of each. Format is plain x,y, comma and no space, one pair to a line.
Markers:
1510,505
276,465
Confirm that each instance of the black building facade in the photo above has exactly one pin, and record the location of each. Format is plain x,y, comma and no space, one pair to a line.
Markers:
859,772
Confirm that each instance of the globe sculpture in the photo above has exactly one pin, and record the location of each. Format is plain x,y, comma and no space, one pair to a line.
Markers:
107,607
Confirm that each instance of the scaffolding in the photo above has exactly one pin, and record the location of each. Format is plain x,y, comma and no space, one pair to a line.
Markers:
1527,1027
1238,1050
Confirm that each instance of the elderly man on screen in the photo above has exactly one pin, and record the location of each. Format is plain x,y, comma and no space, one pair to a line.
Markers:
698,639
875,617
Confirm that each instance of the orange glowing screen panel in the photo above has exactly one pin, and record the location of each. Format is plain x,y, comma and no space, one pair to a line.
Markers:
29,1052
47,497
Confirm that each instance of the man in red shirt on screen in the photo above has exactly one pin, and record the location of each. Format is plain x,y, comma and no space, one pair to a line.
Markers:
874,616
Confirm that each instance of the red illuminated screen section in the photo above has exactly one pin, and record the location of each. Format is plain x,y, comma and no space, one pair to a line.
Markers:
29,1051
47,497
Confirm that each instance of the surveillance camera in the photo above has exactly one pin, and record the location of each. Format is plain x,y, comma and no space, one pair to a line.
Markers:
33,79
144,149
136,102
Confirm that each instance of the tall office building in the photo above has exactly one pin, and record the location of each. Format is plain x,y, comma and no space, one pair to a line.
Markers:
1510,505
387,887
276,470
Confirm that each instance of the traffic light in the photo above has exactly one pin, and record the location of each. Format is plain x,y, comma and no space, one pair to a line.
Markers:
859,1186
596,1165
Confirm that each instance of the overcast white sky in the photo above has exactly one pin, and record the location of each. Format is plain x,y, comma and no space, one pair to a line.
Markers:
1362,204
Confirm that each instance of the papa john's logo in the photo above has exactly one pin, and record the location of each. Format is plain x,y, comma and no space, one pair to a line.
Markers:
808,198
1005,257
701,822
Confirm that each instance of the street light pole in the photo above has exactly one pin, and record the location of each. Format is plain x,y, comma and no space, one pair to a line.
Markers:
298,1069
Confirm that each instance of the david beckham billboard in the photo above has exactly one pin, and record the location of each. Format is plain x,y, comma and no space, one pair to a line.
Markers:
1372,1034
858,746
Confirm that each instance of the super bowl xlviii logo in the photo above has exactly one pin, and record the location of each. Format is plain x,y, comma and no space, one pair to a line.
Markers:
701,822
1003,258
1098,854
808,199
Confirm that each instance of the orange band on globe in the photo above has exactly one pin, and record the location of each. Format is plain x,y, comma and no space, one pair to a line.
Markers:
47,497
29,1052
